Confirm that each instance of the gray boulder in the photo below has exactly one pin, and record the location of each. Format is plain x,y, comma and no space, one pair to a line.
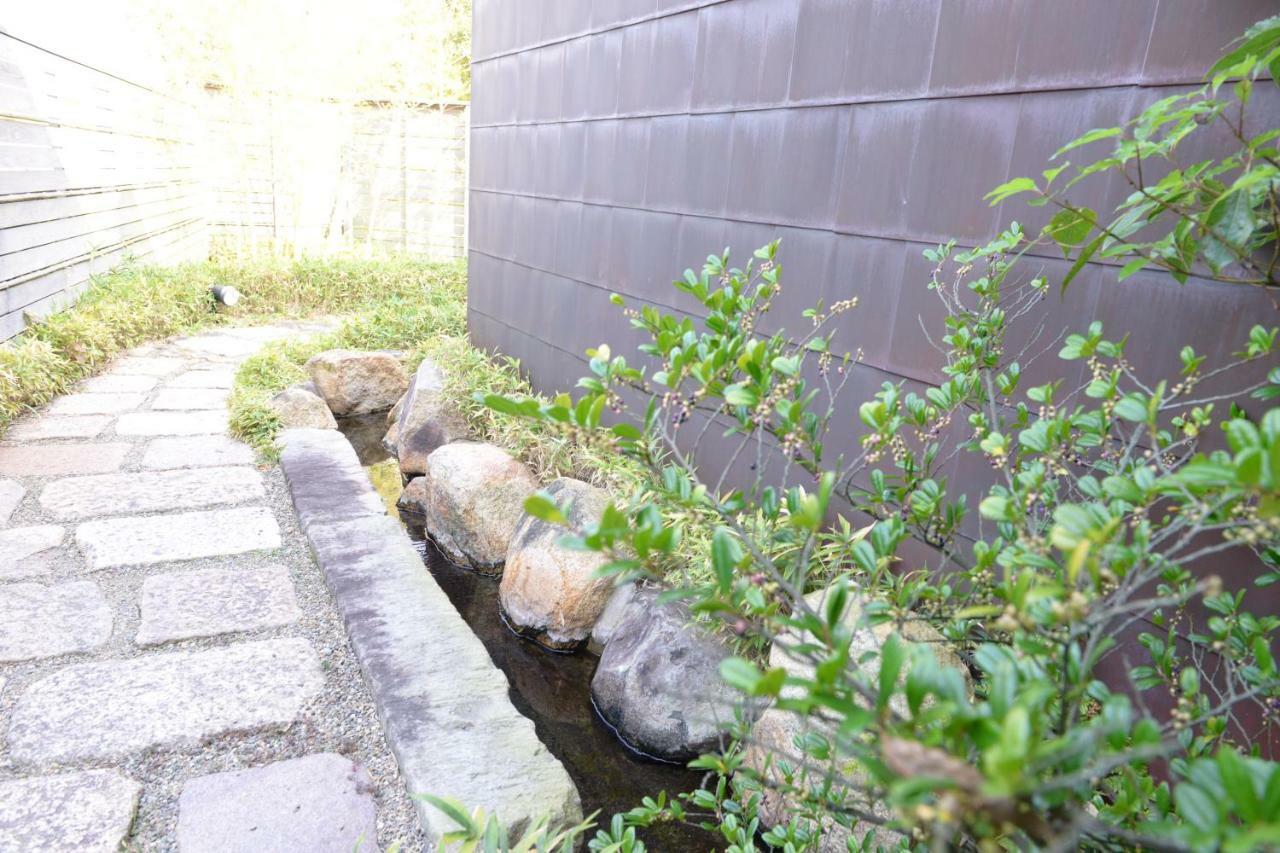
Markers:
550,592
425,421
658,683
611,616
357,383
301,409
474,496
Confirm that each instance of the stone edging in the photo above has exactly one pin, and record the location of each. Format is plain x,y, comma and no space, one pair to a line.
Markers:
444,706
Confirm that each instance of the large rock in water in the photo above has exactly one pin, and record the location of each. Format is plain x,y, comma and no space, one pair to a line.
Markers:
474,496
425,421
357,383
775,734
548,591
658,683
300,409
614,609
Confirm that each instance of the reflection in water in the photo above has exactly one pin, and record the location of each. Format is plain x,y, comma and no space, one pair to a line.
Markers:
553,690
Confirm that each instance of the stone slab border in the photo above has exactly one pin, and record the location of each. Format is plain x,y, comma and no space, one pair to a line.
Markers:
444,706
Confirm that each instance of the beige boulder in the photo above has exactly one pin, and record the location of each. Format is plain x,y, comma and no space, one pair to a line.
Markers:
474,497
357,383
549,592
425,421
771,751
298,408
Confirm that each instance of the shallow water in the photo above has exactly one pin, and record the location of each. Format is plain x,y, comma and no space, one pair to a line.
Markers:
553,690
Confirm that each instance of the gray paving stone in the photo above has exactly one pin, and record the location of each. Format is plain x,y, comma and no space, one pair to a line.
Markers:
96,404
110,709
58,426
203,379
219,345
41,621
88,812
199,452
20,546
118,383
172,423
318,803
147,366
181,536
150,491
59,460
209,602
10,496
191,398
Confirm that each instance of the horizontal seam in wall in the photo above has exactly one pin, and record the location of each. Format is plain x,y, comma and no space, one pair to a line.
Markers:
39,121
88,256
14,198
183,205
932,244
833,103
641,299
620,25
176,194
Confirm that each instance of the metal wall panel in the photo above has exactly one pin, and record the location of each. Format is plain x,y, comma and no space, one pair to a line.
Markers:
617,143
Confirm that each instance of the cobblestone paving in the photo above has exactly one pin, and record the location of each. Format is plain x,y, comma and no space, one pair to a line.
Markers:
163,629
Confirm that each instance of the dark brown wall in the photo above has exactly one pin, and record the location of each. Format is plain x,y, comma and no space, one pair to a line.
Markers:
616,142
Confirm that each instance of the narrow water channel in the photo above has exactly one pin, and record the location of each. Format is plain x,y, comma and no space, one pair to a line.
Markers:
553,690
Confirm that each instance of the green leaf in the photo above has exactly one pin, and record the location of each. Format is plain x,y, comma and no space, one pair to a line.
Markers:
541,505
1197,808
740,673
892,655
1238,781
1070,227
1132,408
1124,489
786,365
1091,136
726,553
740,395
505,405
1011,188
1089,250
453,809
994,508
1131,268
1229,225
626,431
1015,735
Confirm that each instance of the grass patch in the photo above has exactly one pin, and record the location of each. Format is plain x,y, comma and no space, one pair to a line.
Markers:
136,304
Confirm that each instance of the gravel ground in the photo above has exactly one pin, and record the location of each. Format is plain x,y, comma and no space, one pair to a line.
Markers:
342,719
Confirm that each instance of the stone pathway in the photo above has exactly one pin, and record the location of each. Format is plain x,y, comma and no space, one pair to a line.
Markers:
173,674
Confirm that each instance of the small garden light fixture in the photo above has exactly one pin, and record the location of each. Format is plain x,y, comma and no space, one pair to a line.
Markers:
225,294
